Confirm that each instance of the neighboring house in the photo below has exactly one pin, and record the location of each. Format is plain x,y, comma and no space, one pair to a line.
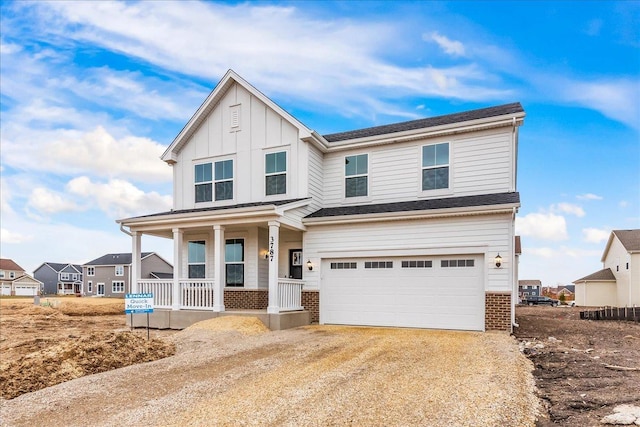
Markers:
60,278
110,275
529,288
618,283
15,281
568,291
409,224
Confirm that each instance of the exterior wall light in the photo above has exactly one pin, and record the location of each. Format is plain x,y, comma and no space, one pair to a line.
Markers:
498,261
309,265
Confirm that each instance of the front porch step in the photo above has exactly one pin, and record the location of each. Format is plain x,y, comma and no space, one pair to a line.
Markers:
181,319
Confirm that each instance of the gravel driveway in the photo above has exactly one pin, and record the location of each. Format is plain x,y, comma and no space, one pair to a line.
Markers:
311,376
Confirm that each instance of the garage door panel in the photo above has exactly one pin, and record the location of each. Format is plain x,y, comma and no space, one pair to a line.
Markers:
427,297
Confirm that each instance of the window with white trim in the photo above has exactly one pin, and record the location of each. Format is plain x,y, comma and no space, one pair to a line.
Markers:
91,271
64,276
356,175
196,259
275,168
435,166
234,262
12,275
119,270
1,274
117,287
203,182
223,180
89,286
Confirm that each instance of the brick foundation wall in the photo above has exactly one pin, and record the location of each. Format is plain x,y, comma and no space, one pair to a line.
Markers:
311,303
247,299
497,311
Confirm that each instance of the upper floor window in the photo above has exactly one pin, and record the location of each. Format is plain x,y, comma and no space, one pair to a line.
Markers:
91,271
224,180
203,182
435,166
196,259
64,276
12,275
356,170
234,262
119,270
1,274
276,173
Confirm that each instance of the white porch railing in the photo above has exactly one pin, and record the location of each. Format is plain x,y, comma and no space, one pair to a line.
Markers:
290,294
196,294
161,290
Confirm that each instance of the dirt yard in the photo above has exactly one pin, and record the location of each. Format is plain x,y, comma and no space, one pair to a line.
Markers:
232,371
579,363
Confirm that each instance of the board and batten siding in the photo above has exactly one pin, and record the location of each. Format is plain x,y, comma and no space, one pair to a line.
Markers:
481,163
486,234
261,130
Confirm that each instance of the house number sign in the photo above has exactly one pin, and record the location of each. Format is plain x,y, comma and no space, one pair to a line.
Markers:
271,248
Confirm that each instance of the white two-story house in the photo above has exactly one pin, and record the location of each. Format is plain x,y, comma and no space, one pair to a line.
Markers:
409,224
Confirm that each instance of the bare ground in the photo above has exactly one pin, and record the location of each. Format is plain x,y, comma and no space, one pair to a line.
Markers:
570,356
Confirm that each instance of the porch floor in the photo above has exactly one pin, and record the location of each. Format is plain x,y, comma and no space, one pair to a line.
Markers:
181,319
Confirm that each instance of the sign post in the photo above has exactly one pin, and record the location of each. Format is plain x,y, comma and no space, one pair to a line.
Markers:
138,303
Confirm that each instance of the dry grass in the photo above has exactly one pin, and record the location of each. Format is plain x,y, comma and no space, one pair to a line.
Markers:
244,325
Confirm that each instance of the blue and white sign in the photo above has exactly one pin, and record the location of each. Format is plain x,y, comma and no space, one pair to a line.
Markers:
138,303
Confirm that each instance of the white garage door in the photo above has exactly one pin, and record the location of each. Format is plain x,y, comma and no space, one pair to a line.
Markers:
444,292
5,290
25,290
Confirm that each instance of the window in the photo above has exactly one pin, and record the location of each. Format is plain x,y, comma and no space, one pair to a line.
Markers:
435,166
1,274
203,183
356,169
344,265
457,263
378,264
224,180
89,286
12,275
196,261
91,271
234,260
117,287
417,264
276,173
627,266
119,270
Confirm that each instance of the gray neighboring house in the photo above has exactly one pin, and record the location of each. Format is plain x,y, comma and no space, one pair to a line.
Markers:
529,288
110,275
59,278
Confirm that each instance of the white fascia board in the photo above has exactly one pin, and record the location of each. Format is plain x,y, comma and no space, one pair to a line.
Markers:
431,132
410,215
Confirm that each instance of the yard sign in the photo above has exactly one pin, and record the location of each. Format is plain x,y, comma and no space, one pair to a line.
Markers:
138,303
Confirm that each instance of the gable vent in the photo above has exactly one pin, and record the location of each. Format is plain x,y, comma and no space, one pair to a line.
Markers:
234,115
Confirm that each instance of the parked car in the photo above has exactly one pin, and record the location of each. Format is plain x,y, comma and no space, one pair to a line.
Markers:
541,301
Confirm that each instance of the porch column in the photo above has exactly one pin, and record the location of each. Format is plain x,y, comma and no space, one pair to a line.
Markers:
177,267
135,272
218,267
274,247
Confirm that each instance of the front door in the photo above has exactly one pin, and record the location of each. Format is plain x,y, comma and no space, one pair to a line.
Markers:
100,289
295,263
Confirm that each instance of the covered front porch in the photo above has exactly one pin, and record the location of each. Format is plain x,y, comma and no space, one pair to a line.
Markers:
226,261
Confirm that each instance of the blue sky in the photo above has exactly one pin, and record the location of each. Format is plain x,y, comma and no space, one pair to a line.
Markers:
93,92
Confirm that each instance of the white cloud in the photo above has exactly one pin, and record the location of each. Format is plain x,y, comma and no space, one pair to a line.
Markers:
595,235
9,237
119,198
568,208
588,196
543,226
50,202
451,47
623,204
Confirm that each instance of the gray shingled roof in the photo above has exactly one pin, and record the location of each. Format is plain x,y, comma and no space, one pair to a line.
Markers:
220,208
115,259
419,205
630,239
602,275
529,283
481,113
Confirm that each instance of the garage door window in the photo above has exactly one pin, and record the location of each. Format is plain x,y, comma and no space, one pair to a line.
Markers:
378,264
457,263
344,265
417,264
